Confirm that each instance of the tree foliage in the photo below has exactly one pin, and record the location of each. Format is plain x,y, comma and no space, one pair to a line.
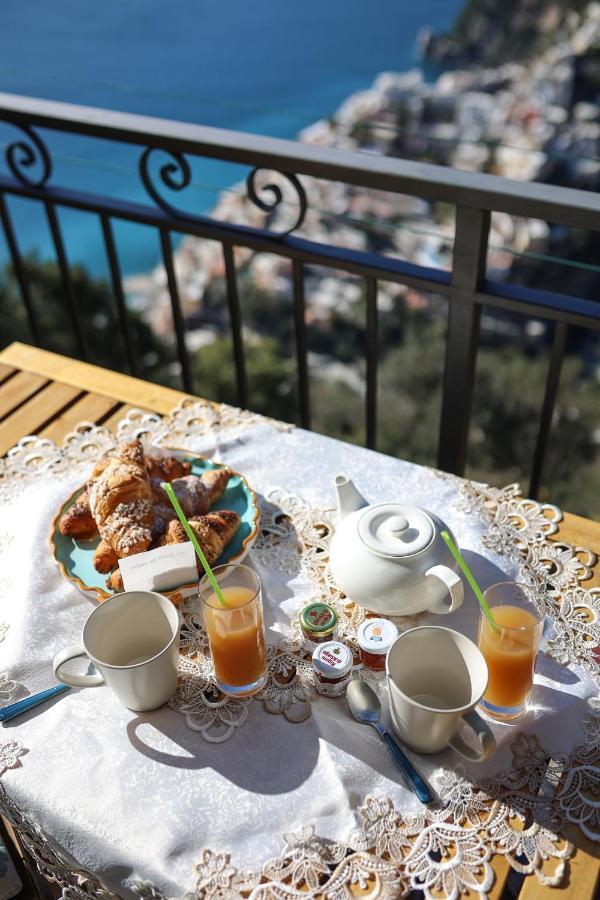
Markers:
96,308
509,387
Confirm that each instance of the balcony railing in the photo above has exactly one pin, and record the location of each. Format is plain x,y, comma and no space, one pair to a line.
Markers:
467,287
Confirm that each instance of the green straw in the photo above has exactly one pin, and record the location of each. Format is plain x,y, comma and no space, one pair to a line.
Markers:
470,578
188,530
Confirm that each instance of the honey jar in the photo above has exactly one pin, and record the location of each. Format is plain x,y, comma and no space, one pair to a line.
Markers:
332,664
318,622
374,638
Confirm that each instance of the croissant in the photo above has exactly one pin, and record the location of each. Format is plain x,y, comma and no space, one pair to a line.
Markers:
215,482
121,501
196,495
167,468
78,520
105,558
214,531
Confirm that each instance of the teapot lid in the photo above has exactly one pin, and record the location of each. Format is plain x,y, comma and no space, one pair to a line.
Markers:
395,529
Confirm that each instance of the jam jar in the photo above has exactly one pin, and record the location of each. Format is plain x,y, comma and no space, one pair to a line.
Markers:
374,638
332,663
318,622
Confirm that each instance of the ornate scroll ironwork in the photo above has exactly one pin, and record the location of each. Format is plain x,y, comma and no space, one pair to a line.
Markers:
176,175
277,195
21,156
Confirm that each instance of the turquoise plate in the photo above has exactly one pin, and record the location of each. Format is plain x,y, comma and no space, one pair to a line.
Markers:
74,558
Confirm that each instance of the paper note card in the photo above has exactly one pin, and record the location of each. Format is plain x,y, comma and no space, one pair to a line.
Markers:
162,569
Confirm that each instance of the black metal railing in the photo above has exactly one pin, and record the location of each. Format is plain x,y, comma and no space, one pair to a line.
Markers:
467,287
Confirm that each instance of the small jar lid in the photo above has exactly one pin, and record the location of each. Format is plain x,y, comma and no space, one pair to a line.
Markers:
376,635
333,660
319,618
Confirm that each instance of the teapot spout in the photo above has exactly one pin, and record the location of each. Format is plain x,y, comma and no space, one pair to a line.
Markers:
349,498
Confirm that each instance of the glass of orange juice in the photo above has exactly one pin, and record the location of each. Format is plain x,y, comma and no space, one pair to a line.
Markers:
510,649
236,632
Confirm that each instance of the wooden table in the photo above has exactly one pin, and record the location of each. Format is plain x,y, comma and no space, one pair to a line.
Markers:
47,394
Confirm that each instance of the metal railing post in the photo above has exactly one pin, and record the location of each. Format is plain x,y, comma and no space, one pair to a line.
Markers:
468,272
235,317
19,270
372,360
301,344
178,322
118,295
65,273
559,345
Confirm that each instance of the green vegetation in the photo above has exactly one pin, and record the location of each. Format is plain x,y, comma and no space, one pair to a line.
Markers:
98,319
509,387
490,33
510,381
270,378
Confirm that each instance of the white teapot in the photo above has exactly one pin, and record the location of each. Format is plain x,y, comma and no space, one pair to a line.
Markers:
390,557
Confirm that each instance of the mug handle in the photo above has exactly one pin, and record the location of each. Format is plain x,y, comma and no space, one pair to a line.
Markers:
74,680
484,735
454,585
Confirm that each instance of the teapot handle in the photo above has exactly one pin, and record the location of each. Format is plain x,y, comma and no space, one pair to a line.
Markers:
454,585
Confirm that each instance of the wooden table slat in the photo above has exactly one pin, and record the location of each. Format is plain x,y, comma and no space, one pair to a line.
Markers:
89,408
18,389
33,415
92,378
581,533
583,879
502,869
6,372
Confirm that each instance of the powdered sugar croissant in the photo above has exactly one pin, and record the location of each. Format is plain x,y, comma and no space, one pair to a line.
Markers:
121,501
78,521
214,531
165,468
196,495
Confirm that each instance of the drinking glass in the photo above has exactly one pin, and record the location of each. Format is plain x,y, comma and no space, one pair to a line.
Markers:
236,632
510,649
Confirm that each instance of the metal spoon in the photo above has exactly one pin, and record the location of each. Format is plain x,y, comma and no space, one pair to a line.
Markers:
365,707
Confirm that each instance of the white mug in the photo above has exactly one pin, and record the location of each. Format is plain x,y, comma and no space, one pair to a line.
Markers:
133,641
435,678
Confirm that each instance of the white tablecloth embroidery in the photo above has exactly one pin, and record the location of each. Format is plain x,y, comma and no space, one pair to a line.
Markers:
135,798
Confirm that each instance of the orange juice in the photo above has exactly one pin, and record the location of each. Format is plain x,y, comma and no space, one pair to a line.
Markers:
237,636
510,653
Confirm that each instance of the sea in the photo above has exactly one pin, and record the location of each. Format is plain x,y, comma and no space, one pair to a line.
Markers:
268,67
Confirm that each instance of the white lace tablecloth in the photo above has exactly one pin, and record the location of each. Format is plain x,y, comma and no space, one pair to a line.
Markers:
112,802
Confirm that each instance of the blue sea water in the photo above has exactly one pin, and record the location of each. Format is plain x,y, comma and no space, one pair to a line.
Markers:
263,66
